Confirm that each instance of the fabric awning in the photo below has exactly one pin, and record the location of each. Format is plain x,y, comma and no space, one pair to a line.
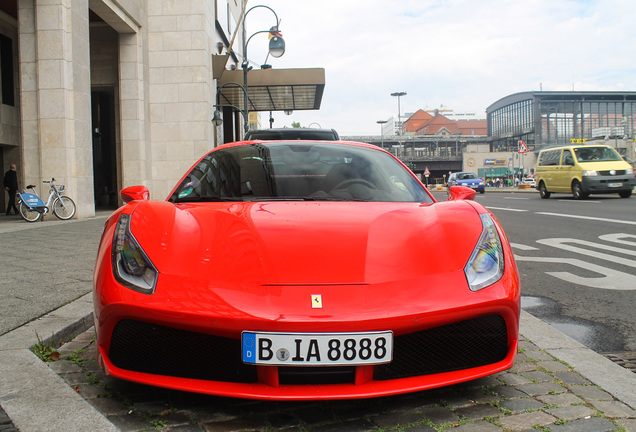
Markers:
274,89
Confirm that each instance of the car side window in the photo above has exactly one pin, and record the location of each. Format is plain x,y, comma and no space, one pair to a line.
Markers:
550,158
567,158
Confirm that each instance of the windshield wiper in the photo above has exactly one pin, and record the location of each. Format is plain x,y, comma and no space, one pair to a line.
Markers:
325,198
205,199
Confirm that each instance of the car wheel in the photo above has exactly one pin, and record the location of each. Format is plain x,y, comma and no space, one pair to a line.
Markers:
543,192
577,191
625,194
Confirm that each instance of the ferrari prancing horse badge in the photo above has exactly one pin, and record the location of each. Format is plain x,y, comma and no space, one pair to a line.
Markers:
316,301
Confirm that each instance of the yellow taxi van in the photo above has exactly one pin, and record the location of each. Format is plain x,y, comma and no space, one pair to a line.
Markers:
583,170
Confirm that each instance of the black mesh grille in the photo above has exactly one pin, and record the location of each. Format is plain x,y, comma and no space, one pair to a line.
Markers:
457,346
316,375
144,347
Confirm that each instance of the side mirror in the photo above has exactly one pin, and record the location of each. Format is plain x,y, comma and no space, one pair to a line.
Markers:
133,193
456,193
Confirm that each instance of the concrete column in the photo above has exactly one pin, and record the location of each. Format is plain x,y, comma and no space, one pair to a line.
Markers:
136,155
55,97
180,36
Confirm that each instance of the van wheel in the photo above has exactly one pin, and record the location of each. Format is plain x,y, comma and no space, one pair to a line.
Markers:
625,194
543,192
577,191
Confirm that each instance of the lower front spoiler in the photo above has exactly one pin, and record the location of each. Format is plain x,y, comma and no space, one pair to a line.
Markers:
268,389
601,184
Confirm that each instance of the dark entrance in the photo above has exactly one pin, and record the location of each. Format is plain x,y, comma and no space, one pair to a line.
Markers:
104,149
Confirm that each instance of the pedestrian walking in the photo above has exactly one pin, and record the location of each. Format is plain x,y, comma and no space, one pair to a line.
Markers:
11,186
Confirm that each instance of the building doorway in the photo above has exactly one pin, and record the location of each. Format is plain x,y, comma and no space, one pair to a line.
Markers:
104,148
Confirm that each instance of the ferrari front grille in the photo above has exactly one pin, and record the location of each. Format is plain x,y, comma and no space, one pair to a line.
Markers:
143,347
462,345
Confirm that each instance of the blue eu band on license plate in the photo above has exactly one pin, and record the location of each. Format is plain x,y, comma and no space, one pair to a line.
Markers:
299,349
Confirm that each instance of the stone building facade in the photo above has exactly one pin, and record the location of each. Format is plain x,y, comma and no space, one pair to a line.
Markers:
104,94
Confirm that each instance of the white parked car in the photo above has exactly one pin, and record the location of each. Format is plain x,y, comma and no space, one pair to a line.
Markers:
529,181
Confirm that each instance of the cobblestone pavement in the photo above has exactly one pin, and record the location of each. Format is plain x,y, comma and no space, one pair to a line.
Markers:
538,394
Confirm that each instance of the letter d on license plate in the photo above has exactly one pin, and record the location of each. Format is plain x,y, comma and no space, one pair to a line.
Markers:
297,349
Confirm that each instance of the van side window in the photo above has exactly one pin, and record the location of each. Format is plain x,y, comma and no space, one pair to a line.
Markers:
550,158
567,158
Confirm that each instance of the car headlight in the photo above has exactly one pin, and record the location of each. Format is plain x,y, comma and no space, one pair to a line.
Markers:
131,266
486,263
589,173
629,171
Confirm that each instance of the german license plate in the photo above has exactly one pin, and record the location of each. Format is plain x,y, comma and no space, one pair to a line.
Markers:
310,349
614,184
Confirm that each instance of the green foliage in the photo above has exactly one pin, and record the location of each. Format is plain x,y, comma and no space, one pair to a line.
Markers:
45,353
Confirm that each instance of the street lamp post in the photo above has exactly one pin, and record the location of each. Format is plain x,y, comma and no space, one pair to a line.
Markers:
276,49
381,123
399,95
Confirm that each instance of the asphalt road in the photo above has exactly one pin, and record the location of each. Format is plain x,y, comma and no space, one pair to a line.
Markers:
577,261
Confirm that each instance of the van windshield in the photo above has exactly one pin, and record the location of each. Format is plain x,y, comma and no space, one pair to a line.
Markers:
594,154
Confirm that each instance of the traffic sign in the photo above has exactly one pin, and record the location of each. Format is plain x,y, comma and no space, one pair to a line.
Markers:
426,172
523,148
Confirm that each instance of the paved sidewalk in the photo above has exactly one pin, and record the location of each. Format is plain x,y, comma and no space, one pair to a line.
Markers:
556,385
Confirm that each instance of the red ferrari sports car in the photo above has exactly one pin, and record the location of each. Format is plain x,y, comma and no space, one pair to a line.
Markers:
304,270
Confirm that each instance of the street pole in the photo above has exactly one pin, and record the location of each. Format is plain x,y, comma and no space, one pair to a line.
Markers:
381,123
399,95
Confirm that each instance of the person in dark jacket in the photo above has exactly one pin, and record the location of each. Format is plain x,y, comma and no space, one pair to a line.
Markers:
11,186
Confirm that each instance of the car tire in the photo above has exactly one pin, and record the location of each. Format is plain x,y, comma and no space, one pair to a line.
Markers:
543,191
625,194
577,191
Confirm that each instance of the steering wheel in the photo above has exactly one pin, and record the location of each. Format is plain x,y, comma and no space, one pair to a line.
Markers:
346,183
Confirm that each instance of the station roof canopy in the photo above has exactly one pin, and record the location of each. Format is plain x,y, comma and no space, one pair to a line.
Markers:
274,89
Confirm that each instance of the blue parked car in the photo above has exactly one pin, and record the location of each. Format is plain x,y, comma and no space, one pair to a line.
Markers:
468,179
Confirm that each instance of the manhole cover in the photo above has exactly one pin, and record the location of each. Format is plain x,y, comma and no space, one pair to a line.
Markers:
627,360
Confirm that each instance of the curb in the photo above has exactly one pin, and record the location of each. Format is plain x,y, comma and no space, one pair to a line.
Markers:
32,395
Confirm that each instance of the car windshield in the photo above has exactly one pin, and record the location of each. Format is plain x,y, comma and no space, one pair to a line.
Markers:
593,154
299,171
466,176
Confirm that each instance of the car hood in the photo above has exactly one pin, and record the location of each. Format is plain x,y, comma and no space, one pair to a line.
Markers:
306,243
605,165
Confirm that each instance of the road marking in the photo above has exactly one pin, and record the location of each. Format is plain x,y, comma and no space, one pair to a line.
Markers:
580,201
587,217
560,243
523,247
612,279
616,238
508,209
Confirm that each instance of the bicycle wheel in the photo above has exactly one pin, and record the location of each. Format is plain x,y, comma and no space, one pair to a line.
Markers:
63,207
28,214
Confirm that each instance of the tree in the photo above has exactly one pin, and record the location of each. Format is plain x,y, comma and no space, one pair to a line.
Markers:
296,125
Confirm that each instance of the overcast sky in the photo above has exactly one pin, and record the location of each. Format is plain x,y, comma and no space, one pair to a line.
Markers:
462,54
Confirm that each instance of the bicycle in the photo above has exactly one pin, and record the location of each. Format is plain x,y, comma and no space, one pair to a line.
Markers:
32,208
